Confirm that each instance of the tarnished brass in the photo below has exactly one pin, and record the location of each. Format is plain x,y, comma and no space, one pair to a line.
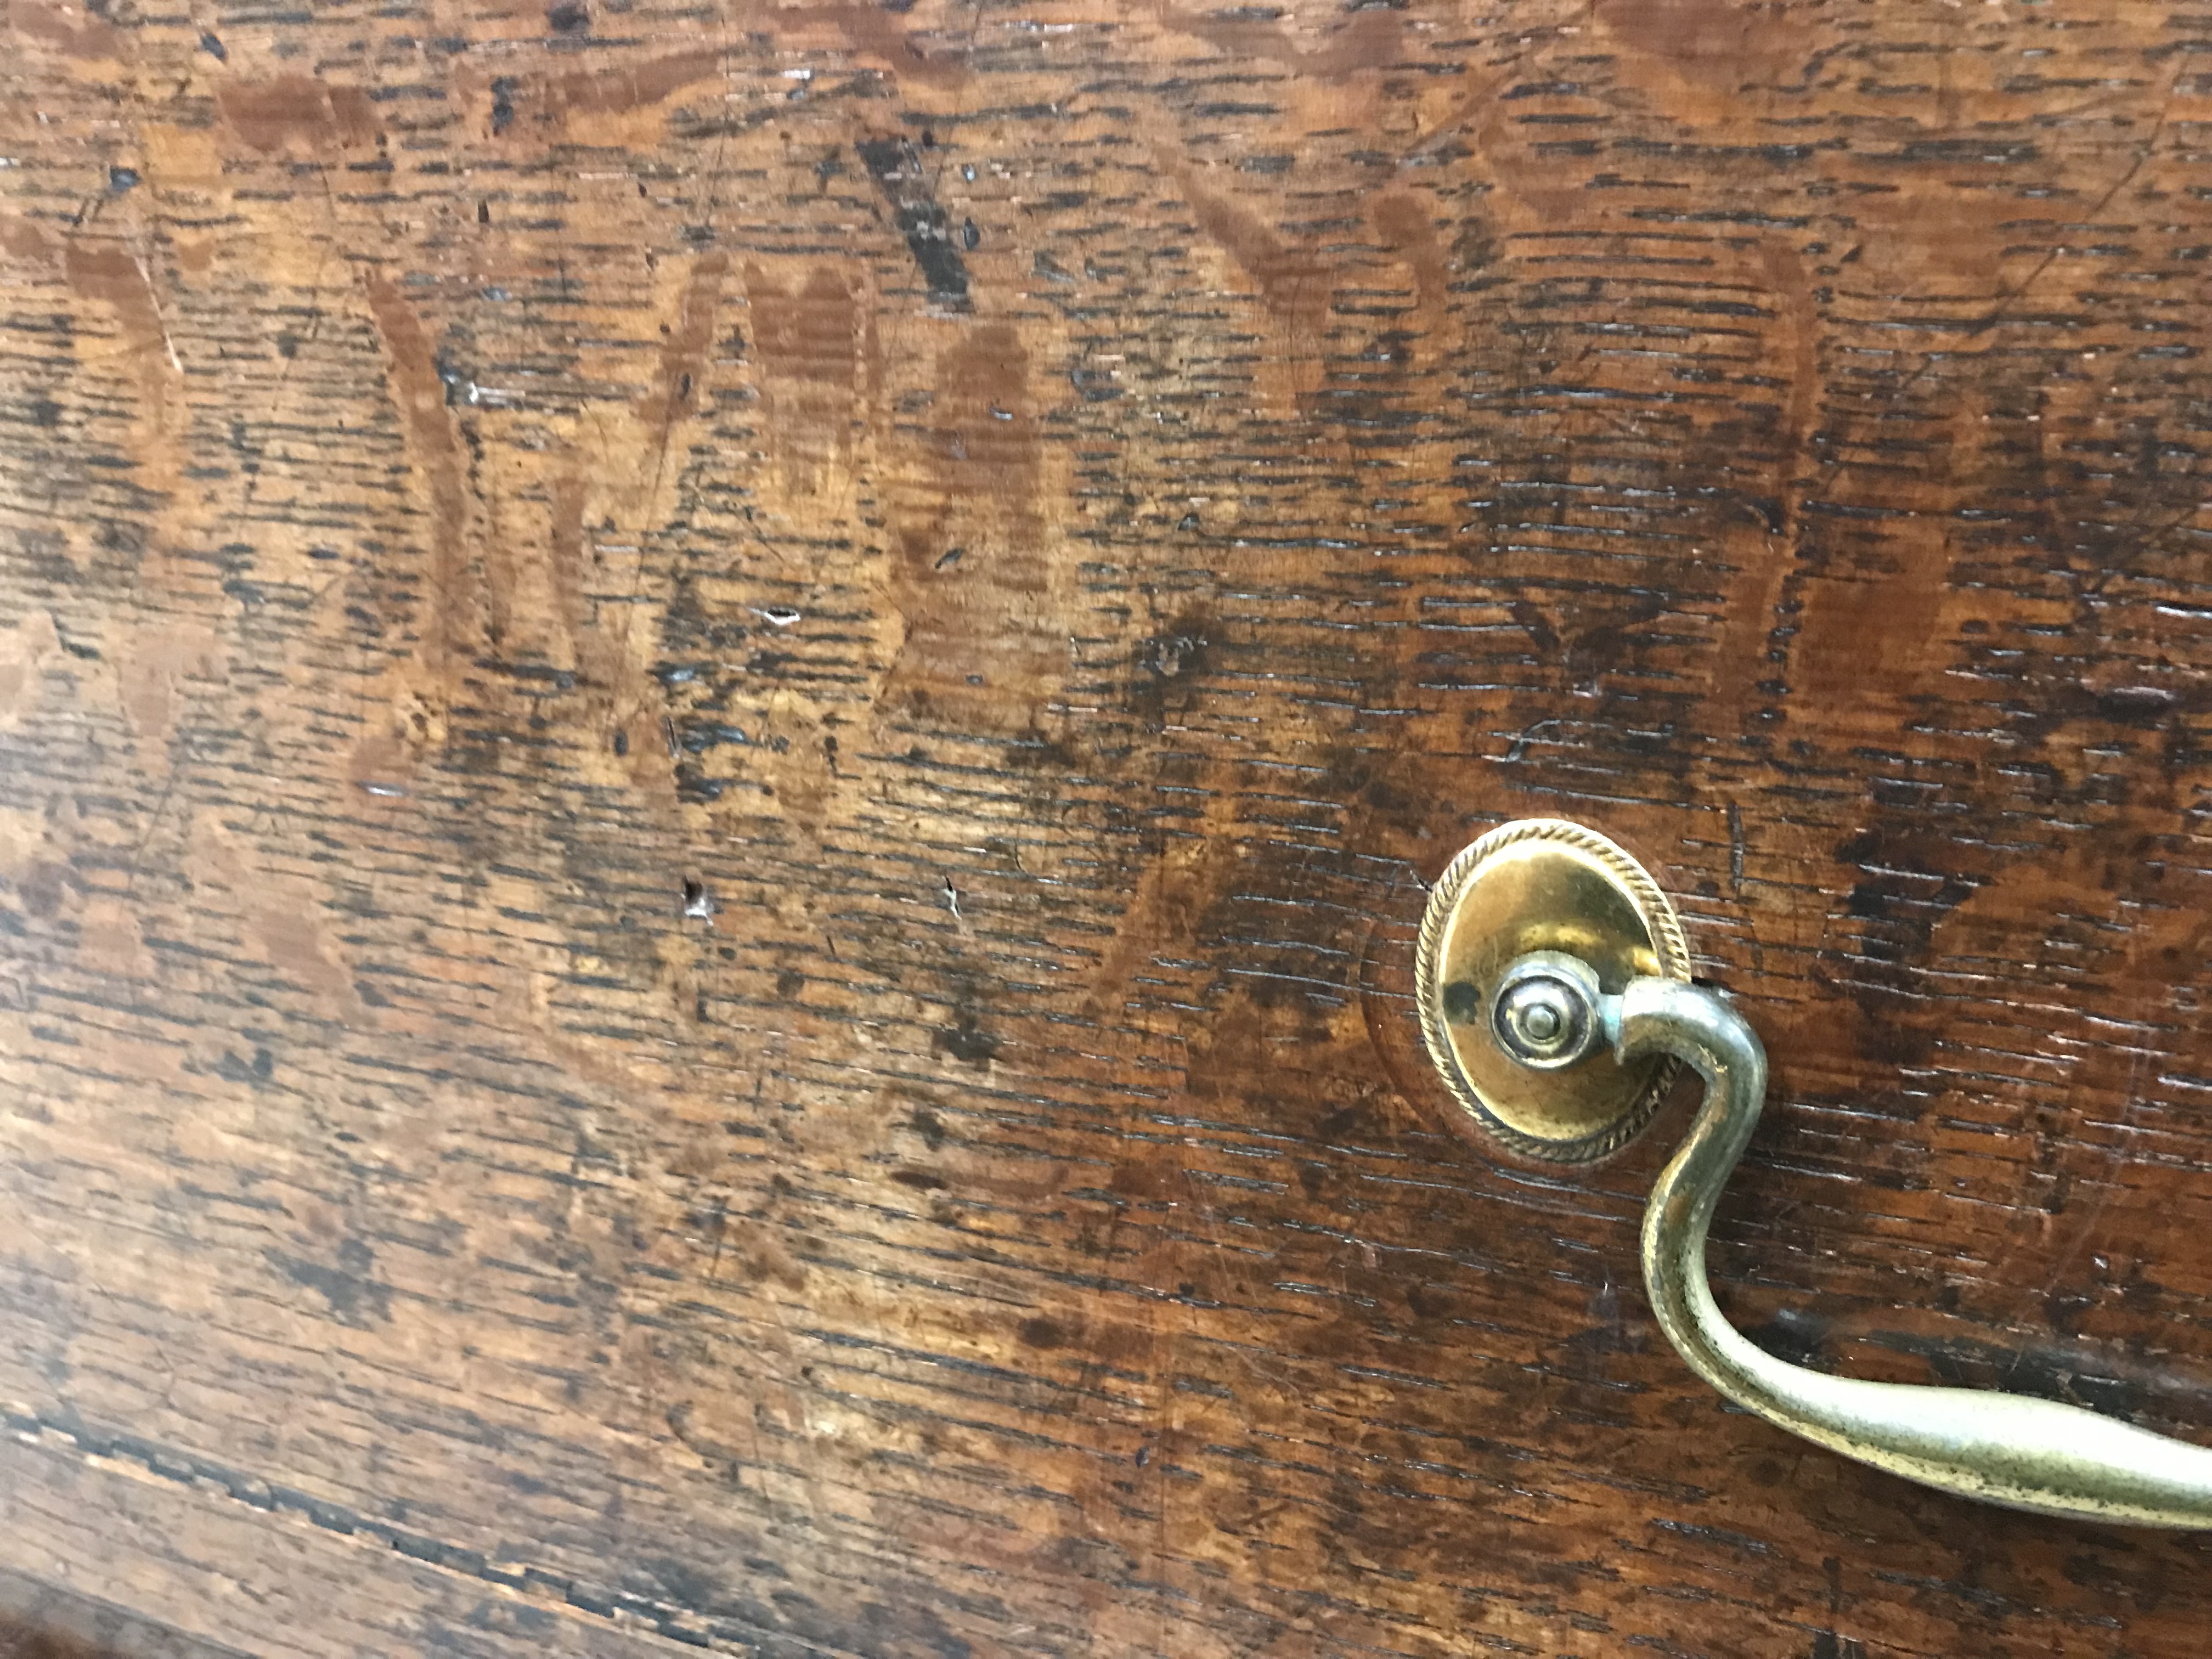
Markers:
1553,985
2009,1448
1543,884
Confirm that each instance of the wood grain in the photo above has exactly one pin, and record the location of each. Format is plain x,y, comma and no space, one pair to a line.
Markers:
721,729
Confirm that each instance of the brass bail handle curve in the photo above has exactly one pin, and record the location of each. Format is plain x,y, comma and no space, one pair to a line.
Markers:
2013,1449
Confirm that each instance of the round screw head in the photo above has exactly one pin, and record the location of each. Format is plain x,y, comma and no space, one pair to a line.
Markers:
1540,1020
1544,1012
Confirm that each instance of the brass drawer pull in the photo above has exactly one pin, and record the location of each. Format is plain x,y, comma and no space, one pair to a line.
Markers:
1555,999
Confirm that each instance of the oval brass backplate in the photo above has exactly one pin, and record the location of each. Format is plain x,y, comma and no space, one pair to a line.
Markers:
1543,884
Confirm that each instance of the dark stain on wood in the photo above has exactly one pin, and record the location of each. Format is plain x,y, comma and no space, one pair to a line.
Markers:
47,1621
898,167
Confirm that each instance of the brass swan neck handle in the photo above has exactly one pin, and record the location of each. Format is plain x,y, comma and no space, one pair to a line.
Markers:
2027,1454
1555,997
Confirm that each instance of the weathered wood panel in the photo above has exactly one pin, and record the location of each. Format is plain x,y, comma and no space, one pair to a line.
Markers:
721,729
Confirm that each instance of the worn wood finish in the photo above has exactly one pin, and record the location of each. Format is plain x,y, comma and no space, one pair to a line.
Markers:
722,728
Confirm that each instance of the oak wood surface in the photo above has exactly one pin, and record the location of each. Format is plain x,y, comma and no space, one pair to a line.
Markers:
721,729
